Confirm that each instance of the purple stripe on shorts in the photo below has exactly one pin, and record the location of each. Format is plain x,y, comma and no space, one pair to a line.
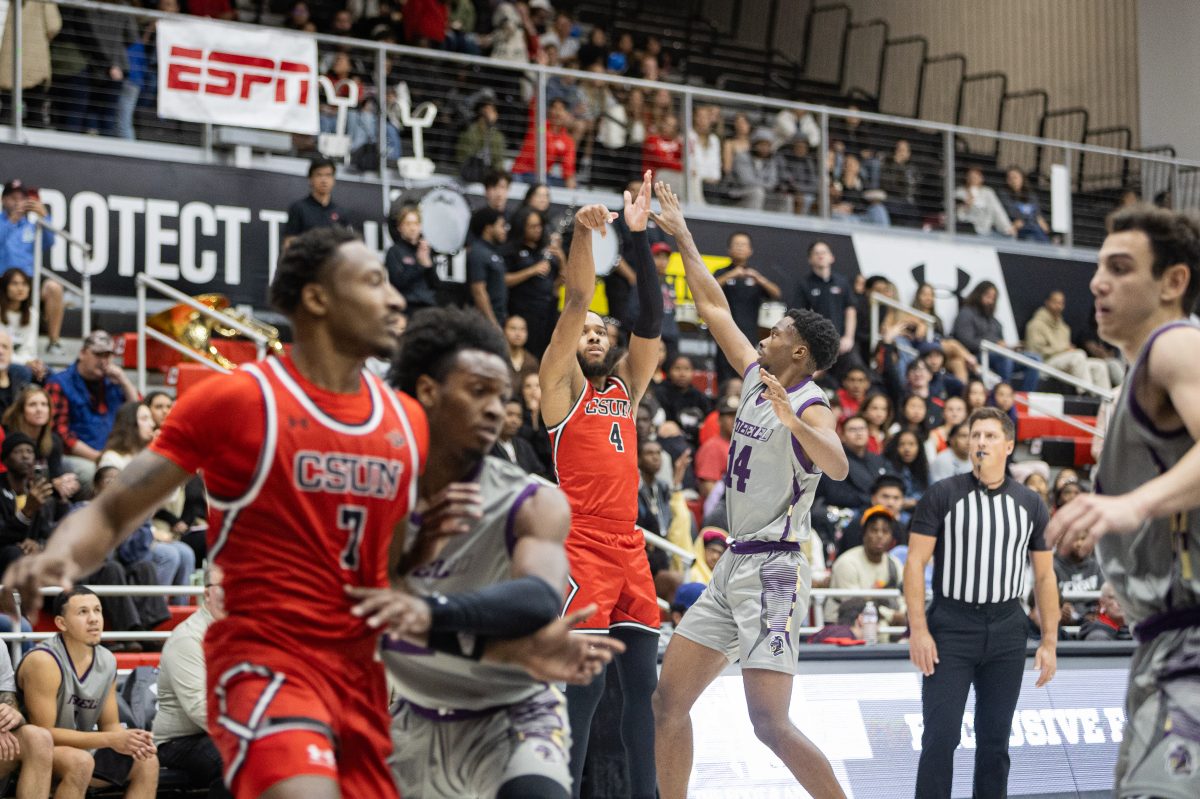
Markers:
779,593
510,538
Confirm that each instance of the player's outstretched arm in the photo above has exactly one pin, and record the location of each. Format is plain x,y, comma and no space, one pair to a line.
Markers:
815,429
710,300
1176,490
85,538
560,375
647,328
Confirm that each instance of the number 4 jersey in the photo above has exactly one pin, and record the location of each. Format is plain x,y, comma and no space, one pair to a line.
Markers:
306,487
595,456
770,481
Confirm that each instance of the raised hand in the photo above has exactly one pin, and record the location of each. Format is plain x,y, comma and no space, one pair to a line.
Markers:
670,217
778,396
595,217
637,209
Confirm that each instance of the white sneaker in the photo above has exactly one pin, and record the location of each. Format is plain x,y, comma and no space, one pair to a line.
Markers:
55,349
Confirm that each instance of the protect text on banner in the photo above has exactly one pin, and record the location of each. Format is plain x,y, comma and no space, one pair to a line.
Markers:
226,75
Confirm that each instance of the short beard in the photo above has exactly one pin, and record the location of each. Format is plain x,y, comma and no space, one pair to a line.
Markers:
605,367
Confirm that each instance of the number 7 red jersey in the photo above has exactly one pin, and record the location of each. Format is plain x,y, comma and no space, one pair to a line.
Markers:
306,487
595,456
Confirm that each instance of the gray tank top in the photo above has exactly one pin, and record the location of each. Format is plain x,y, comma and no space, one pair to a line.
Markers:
447,684
80,696
1156,568
770,481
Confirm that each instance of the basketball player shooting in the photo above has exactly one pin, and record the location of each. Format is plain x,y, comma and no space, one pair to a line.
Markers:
783,440
1143,519
589,396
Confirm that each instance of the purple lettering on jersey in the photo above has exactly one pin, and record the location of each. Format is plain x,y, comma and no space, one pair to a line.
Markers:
744,428
739,466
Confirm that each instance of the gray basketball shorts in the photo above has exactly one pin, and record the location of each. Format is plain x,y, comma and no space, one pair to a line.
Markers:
752,609
1160,750
467,758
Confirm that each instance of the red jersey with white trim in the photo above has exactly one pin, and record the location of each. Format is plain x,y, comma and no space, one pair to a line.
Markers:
595,455
305,489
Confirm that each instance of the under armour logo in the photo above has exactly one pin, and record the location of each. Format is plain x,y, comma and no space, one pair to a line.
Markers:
319,756
396,439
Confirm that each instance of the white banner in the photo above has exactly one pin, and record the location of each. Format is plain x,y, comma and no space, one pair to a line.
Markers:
952,269
227,75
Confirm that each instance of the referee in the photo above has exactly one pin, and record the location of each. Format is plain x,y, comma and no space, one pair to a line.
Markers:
978,528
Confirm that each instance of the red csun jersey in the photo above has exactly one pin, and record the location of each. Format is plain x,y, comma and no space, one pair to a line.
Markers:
305,489
595,456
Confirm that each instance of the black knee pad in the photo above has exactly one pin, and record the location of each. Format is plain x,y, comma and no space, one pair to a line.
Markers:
532,786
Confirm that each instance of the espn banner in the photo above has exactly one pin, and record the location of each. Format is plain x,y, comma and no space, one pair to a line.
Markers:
228,75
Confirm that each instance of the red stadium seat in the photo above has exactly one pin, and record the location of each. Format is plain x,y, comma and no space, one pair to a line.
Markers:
179,614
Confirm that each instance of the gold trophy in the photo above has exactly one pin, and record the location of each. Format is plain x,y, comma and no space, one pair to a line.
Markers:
195,330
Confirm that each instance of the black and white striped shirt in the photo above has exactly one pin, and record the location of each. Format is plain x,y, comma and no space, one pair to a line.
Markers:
984,537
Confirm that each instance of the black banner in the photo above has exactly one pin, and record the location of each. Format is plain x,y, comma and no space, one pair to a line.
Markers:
208,228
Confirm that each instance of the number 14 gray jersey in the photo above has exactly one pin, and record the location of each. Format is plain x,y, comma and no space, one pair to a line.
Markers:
769,480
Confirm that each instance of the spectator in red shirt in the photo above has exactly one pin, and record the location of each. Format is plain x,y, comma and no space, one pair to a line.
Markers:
425,22
855,384
560,148
713,454
662,153
217,9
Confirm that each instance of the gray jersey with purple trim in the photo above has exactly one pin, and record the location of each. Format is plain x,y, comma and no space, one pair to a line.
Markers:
1157,567
80,699
769,481
468,562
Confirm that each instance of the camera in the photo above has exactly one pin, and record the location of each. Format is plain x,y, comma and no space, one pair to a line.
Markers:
39,471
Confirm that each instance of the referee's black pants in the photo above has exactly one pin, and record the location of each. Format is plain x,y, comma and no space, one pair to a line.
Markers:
982,645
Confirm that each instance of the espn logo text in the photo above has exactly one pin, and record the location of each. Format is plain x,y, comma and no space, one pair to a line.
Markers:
228,74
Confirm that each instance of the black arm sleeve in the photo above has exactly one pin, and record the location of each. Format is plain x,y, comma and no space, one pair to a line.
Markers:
650,302
511,609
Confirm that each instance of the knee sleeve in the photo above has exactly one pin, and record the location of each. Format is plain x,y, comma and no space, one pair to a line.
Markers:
531,786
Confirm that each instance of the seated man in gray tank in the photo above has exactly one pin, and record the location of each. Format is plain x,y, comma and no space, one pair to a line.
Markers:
67,685
180,725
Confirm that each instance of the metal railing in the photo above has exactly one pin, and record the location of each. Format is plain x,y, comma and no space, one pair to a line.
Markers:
989,347
17,637
657,541
145,282
878,299
83,291
450,80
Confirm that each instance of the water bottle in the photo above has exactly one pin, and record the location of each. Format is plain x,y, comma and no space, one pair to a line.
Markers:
870,623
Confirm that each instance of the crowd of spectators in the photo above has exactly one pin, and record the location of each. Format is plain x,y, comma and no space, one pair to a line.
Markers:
87,70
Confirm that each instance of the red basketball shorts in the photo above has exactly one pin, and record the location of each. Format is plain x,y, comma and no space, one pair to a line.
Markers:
611,571
275,715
